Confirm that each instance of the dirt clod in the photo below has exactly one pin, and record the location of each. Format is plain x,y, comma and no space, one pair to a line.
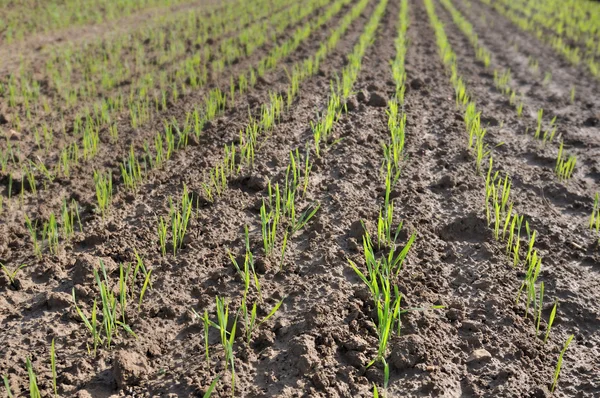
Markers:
377,100
479,356
129,368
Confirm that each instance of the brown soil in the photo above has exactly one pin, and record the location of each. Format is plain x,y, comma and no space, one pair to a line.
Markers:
319,342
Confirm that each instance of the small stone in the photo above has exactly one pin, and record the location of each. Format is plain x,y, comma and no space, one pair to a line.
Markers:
480,355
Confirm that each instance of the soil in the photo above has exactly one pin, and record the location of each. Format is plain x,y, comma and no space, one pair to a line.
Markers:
320,341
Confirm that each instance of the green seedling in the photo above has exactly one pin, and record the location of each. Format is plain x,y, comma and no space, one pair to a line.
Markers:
7,386
559,363
131,171
227,336
53,367
564,166
112,308
538,130
103,183
70,218
249,317
595,218
211,388
550,321
248,272
32,228
12,275
34,391
50,233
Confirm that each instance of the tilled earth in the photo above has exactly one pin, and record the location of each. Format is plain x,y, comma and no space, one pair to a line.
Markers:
319,342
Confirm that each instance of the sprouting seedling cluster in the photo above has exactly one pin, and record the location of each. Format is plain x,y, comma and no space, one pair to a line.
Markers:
379,276
278,212
109,312
548,134
62,226
176,224
565,166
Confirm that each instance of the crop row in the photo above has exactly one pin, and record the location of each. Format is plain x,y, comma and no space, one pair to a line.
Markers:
136,166
29,17
189,73
565,164
507,224
72,75
111,314
512,11
142,109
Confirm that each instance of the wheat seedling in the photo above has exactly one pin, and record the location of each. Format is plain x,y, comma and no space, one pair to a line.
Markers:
559,363
12,275
103,183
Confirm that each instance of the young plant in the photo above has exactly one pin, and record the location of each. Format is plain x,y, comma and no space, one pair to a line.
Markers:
595,218
112,308
50,233
131,172
53,367
538,130
103,183
559,363
7,386
227,336
564,166
12,275
249,317
178,221
34,391
69,216
32,228
387,300
550,321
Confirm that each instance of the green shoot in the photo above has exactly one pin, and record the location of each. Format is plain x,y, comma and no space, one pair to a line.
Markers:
12,275
53,367
226,341
564,167
32,228
178,220
595,218
7,386
559,363
550,321
34,391
211,388
103,184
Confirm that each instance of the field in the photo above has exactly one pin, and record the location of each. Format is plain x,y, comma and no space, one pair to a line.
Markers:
313,198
